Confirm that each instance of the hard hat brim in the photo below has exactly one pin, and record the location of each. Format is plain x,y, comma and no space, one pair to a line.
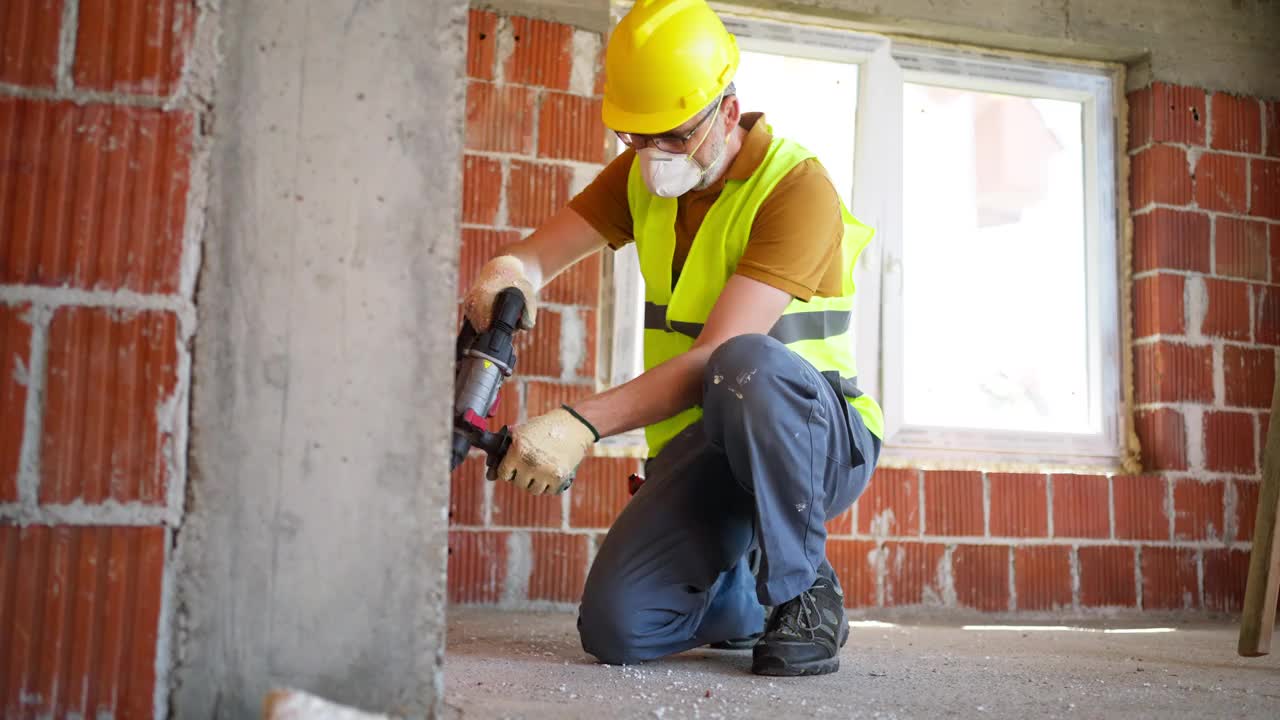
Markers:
615,118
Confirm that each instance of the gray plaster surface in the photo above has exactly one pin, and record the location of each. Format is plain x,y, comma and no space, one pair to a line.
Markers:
530,665
312,553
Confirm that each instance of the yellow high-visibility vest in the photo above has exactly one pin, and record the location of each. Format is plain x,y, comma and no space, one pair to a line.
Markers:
820,331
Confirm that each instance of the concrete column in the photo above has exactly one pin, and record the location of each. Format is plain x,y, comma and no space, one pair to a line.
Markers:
313,550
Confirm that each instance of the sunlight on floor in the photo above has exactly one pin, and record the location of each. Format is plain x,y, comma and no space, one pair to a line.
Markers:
1067,628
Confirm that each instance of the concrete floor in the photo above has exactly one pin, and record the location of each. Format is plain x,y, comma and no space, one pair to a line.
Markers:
530,665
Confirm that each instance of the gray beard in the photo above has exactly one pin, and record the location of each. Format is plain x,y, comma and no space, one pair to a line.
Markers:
717,167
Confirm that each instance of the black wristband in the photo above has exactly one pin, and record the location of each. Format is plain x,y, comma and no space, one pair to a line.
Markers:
582,420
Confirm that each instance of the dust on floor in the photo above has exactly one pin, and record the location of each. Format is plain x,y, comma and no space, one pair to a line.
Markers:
503,664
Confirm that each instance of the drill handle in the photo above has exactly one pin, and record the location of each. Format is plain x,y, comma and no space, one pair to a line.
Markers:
508,308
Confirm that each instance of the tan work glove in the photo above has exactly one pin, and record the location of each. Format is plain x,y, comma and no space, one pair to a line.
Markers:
497,275
546,451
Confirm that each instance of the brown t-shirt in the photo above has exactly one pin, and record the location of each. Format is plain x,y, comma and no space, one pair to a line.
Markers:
794,243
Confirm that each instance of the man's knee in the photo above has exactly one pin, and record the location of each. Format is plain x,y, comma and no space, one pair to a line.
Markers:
746,354
606,628
744,377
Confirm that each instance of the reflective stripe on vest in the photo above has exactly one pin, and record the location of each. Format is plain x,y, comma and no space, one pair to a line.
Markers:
819,330
812,325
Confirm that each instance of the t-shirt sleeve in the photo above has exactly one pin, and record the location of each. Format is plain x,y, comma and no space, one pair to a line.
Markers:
796,237
603,203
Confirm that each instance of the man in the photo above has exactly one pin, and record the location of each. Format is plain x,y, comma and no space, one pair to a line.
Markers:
757,433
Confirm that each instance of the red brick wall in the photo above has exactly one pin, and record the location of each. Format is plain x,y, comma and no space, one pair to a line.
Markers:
533,137
96,161
1205,196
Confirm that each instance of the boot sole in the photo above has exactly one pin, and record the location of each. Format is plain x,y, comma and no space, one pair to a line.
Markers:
776,667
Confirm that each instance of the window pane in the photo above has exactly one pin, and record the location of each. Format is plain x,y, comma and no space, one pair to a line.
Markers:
994,257
813,102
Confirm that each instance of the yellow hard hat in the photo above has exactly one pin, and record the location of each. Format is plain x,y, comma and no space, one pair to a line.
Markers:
666,60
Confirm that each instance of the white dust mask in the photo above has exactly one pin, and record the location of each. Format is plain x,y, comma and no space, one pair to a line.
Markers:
671,175
667,174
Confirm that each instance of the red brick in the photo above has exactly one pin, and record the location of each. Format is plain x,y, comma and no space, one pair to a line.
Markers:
1042,577
1158,305
1225,574
82,628
856,566
542,53
481,190
482,42
543,397
133,46
599,71
1170,579
15,363
1228,442
29,42
1163,436
536,192
109,375
1106,577
1160,174
479,246
1246,510
513,507
499,118
890,506
91,196
953,503
1249,376
1240,248
1267,330
1273,127
1264,190
579,285
1198,510
1019,505
1140,503
1172,372
1237,123
981,575
841,524
559,567
477,566
587,365
599,491
911,573
1227,313
1166,239
1081,506
466,492
1274,244
1221,183
1140,117
570,128
538,350
1166,113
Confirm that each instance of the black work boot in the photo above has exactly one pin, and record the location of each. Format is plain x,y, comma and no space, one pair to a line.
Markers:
804,635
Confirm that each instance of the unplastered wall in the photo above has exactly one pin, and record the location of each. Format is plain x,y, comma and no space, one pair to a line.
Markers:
533,139
101,207
1206,312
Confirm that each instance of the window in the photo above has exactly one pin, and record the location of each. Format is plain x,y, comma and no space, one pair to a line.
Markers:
988,323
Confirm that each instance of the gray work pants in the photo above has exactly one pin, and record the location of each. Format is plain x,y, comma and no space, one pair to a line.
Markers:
778,452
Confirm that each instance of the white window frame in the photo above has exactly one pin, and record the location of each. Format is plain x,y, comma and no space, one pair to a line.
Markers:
884,65
1094,87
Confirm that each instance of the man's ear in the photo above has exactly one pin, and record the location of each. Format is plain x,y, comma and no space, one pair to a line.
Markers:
733,112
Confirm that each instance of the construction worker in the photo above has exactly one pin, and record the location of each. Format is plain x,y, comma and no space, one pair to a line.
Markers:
756,430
